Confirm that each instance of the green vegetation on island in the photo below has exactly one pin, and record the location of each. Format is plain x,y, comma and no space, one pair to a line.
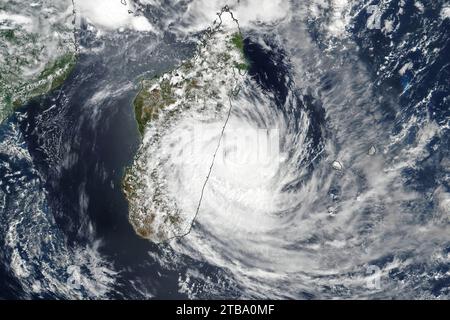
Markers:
7,35
157,93
237,40
148,102
200,86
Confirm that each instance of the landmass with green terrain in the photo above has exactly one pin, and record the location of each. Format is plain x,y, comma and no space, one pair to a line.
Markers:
37,50
200,88
159,92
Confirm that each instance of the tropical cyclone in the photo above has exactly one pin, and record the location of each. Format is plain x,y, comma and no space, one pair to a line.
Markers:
168,110
37,49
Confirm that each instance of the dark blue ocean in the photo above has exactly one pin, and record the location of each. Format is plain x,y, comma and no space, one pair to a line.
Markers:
79,148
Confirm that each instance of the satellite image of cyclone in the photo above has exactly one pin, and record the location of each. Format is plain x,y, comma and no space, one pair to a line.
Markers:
225,149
